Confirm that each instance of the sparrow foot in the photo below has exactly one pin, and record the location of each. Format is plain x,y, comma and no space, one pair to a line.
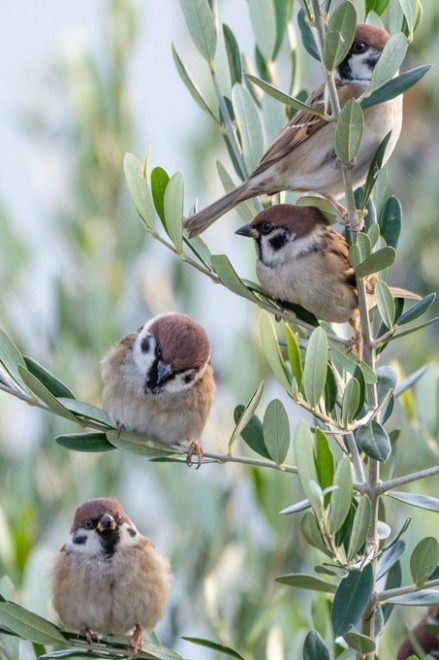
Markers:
357,343
89,635
136,641
194,448
120,427
343,213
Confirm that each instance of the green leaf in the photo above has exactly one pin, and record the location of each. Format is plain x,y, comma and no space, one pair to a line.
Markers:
53,384
339,36
349,131
213,645
294,356
246,414
331,389
252,434
359,642
94,442
11,358
378,6
233,55
249,125
201,25
314,374
389,557
159,181
324,460
417,309
138,444
173,209
312,534
351,600
395,87
409,8
304,453
390,221
188,81
379,260
308,40
314,647
393,581
282,9
420,501
350,401
86,410
360,526
374,440
139,191
390,60
375,169
247,210
411,380
385,303
425,598
341,497
276,429
296,508
272,351
424,560
41,391
361,250
288,100
303,581
228,276
28,625
263,20
373,233
322,204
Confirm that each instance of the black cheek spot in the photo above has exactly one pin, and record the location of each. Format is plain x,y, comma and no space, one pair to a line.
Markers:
131,531
80,540
145,344
189,378
278,241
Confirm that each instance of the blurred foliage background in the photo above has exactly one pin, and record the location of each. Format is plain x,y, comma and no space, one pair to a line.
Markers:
77,271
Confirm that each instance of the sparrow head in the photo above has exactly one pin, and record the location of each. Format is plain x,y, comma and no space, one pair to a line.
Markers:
366,49
170,353
284,231
99,527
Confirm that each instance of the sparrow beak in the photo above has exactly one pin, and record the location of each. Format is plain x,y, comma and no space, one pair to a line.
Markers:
247,230
106,522
164,370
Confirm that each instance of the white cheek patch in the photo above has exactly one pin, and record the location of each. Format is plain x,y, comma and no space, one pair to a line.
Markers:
183,381
143,360
84,542
128,535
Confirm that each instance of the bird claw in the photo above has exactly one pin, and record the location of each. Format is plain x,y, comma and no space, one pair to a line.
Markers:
343,214
194,448
89,635
136,641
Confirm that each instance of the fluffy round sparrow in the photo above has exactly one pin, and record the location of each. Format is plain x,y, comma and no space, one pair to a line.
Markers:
303,260
108,578
158,381
302,157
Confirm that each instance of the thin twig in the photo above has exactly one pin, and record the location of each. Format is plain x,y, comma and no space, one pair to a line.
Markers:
385,486
402,591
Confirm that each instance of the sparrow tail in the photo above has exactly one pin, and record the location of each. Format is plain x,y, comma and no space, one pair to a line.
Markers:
200,221
404,293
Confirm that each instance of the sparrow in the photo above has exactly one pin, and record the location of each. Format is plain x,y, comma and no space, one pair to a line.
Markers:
302,157
158,381
108,578
426,638
302,259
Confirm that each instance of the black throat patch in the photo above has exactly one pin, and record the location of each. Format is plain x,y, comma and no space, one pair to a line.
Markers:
109,539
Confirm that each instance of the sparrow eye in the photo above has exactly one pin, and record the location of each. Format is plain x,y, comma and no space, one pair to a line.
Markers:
88,524
358,47
266,227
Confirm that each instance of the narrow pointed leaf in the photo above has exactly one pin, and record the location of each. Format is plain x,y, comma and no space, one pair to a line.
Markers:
225,650
324,205
233,55
414,499
249,125
228,276
314,375
350,401
28,625
424,560
303,505
351,600
288,100
379,260
409,7
304,453
247,413
41,391
311,532
349,131
411,380
201,25
395,87
385,303
53,384
314,647
138,444
159,182
303,581
324,460
393,581
94,442
188,81
389,558
11,358
340,35
359,642
173,209
272,351
252,434
360,526
139,191
276,429
341,498
390,221
417,309
308,40
374,440
390,60
331,389
87,411
294,356
263,20
425,598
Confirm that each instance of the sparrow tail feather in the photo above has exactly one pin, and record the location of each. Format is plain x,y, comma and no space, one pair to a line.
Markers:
200,221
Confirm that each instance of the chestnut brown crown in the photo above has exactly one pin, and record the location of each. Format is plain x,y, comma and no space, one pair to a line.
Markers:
183,342
95,509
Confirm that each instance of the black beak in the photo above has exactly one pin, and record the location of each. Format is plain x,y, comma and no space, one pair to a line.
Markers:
106,522
164,370
247,230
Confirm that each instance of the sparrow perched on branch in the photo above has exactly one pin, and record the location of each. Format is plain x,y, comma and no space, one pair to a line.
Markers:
302,157
108,578
303,260
158,381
